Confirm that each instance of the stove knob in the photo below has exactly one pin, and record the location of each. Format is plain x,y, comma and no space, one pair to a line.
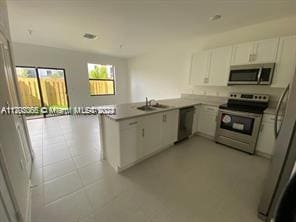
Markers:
264,97
259,97
234,95
231,95
255,97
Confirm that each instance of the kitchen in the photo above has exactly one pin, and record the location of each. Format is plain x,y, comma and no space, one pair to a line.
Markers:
246,122
204,112
268,62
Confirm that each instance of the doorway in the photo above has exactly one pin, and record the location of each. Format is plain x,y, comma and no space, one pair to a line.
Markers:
42,87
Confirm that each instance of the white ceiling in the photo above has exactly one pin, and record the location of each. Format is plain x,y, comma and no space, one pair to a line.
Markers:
139,25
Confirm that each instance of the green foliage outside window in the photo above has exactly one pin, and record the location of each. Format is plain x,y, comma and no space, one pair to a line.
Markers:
99,72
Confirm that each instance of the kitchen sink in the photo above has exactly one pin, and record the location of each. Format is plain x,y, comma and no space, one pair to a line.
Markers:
162,106
146,108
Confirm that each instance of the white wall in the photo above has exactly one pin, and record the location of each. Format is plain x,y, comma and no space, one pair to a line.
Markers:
165,72
75,64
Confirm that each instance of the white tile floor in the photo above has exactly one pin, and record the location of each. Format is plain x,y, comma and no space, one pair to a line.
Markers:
197,180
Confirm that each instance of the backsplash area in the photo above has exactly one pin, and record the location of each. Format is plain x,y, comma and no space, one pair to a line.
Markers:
222,92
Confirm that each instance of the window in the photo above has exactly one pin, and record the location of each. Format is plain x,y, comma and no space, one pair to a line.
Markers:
101,79
40,86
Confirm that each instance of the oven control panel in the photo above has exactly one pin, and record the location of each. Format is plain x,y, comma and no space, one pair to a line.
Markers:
249,97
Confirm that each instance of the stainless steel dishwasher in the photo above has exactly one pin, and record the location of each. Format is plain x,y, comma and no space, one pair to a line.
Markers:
185,122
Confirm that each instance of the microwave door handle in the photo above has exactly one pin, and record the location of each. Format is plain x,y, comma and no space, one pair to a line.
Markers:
259,76
276,132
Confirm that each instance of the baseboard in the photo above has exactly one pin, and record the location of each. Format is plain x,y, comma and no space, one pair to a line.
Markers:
262,154
29,204
204,135
29,208
121,169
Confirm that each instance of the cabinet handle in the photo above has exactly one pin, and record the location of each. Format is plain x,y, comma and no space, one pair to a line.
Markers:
210,109
143,132
133,123
261,128
164,118
250,57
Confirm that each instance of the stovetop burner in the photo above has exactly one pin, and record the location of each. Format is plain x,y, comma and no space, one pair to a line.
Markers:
251,103
241,108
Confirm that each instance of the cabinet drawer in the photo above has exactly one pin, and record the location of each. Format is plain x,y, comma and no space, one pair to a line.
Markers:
210,109
270,118
129,123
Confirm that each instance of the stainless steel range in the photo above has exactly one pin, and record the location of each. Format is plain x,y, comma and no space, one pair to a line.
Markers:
239,121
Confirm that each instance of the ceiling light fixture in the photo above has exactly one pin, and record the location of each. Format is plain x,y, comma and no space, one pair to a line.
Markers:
90,36
215,17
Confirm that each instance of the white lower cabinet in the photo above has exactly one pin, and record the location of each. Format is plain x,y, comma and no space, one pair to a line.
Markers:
266,138
207,120
152,133
131,141
128,141
170,121
195,119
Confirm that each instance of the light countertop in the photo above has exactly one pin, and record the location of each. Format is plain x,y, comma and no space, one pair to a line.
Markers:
129,110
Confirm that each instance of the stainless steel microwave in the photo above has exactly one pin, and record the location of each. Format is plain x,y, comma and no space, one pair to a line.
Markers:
253,74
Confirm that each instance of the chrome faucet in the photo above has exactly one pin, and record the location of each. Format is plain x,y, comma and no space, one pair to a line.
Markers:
152,100
149,102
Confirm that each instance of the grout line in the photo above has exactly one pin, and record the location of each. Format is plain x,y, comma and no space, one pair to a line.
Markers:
67,146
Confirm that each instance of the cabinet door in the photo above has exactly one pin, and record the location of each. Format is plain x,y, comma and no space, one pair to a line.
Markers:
170,127
265,51
207,120
130,144
152,133
241,54
266,140
285,62
200,63
195,119
220,64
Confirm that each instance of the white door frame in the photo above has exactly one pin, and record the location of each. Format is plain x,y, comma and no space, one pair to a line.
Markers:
6,193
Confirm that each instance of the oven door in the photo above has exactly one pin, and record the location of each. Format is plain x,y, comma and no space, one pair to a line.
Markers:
239,125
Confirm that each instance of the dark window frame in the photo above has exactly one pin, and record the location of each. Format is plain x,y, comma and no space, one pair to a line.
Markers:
39,85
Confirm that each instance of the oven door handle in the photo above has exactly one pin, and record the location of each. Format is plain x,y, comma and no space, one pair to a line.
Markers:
238,113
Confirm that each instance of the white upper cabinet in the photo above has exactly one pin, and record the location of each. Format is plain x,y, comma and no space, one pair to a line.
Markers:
220,64
285,62
211,67
263,51
242,53
200,64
